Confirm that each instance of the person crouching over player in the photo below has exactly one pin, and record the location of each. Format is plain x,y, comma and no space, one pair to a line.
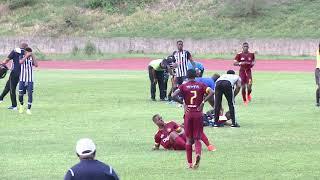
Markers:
171,136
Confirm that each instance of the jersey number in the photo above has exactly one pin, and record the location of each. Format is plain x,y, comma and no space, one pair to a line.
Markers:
193,97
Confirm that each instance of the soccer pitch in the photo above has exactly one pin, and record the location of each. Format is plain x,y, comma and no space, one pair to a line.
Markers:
278,138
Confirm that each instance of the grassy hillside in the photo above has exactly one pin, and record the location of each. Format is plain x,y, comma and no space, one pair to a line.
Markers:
162,18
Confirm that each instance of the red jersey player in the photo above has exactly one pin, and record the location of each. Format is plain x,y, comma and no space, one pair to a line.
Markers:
171,135
246,61
194,96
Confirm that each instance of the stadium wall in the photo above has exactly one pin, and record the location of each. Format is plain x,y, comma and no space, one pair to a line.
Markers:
293,47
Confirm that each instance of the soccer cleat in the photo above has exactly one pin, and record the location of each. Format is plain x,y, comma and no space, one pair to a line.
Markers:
153,99
211,148
235,125
318,104
29,112
1,101
197,163
249,97
189,165
246,103
21,109
13,108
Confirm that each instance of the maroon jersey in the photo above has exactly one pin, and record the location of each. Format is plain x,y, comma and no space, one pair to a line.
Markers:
193,94
162,136
248,58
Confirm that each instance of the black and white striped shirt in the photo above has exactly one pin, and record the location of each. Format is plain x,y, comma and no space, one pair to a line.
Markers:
182,59
26,72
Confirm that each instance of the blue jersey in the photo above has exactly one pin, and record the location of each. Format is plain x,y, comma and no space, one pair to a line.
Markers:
91,169
197,65
207,81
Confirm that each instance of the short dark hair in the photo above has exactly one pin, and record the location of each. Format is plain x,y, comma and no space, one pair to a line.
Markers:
179,41
154,117
245,43
28,49
191,74
215,77
231,72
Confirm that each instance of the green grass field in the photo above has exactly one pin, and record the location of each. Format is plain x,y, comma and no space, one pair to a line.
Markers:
278,138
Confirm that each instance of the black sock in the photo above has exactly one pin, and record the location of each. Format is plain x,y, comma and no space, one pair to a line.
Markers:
318,95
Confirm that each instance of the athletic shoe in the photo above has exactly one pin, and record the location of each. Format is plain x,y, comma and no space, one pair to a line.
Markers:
189,165
235,125
246,103
211,148
249,97
153,99
29,112
13,108
1,101
21,109
197,163
216,126
318,104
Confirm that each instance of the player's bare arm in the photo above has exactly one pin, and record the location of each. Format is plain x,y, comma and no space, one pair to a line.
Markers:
34,60
209,95
238,86
155,80
5,61
236,63
156,146
28,54
175,96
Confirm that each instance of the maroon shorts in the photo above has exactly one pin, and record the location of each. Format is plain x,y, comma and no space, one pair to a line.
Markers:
246,76
193,125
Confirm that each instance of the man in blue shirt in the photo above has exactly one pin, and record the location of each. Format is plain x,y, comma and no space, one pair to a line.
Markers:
198,67
89,168
11,85
210,82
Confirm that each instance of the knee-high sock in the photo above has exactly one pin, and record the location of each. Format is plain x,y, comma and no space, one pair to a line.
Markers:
198,147
318,95
21,98
205,139
249,91
30,98
189,153
244,94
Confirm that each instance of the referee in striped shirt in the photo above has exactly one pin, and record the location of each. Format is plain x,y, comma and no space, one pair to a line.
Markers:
182,57
26,78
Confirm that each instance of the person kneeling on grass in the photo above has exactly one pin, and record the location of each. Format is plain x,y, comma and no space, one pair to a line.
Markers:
171,136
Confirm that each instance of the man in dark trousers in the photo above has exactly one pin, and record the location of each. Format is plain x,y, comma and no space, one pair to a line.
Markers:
89,168
156,69
11,85
228,84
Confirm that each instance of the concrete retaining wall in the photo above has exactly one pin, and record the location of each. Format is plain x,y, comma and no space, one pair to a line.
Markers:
292,47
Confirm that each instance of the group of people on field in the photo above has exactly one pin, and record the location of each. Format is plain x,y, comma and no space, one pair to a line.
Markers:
191,90
23,61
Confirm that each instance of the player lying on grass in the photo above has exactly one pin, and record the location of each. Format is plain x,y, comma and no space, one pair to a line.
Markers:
224,119
171,136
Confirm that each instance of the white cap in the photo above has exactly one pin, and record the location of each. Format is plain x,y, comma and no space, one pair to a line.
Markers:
85,147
